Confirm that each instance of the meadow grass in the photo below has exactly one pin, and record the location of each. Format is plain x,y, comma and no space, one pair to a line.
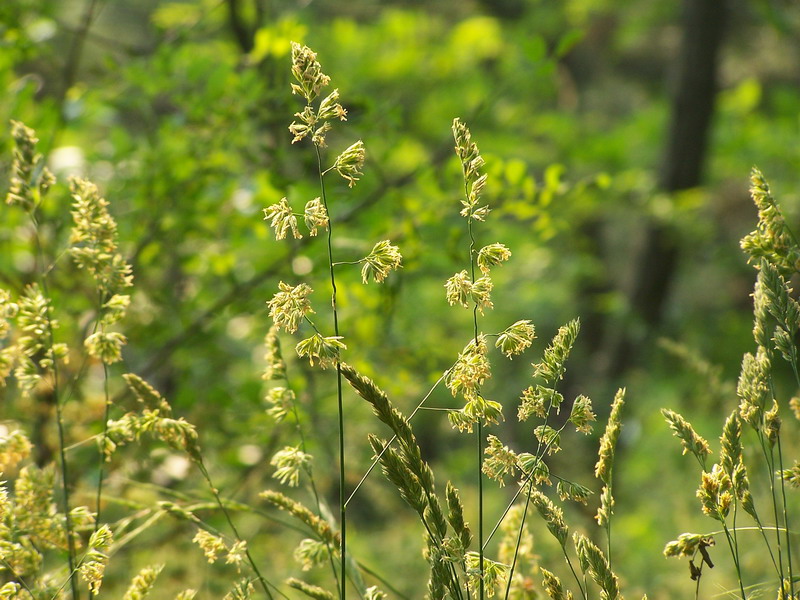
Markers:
53,546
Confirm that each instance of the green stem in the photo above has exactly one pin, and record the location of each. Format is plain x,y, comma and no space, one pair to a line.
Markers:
340,404
313,485
100,475
519,540
71,551
786,521
735,555
608,519
479,439
770,460
581,586
479,428
783,486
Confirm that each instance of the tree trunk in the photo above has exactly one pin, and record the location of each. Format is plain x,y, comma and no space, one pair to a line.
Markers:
703,24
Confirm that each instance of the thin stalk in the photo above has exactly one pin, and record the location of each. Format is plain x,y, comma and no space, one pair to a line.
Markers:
519,540
479,428
735,555
71,551
581,585
786,521
340,404
215,492
608,520
479,447
770,460
783,486
763,532
100,475
313,486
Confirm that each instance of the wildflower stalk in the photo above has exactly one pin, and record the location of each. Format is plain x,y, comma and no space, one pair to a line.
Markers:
340,405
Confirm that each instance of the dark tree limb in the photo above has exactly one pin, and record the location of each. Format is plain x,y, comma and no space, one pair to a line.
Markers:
703,24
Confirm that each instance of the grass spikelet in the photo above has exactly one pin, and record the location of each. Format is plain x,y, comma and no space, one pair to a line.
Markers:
187,594
772,239
730,453
142,584
396,471
211,545
242,590
608,443
14,448
552,367
688,544
552,585
30,181
500,461
792,476
147,394
94,563
373,593
690,440
289,463
275,369
319,526
595,563
494,573
455,516
581,415
311,553
10,591
606,509
552,515
741,487
715,493
312,591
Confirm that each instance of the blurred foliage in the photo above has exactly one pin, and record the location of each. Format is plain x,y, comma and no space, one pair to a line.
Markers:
178,110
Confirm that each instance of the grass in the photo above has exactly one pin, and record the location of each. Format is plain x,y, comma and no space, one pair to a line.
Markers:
59,549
